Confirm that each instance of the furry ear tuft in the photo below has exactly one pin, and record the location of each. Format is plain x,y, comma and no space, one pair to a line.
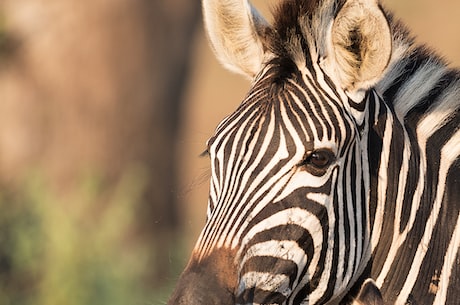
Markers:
233,28
361,44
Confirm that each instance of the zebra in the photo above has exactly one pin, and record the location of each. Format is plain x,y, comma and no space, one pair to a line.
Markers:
336,180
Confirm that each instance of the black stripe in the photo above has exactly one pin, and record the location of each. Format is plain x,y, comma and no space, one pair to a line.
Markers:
272,265
255,295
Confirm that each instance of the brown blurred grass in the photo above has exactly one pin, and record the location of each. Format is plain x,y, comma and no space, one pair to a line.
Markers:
214,92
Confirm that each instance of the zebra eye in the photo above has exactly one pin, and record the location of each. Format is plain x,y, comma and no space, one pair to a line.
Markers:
318,161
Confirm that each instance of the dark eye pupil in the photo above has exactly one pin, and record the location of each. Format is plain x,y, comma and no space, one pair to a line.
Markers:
320,159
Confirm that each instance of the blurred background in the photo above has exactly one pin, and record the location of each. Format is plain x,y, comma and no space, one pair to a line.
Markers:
105,107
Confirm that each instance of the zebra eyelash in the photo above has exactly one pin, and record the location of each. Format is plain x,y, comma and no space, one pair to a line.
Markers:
318,161
205,154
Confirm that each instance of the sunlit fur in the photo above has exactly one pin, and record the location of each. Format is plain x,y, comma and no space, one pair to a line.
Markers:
233,39
280,215
386,207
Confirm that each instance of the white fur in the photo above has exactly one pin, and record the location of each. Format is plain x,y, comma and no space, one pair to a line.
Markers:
356,74
232,26
415,89
265,281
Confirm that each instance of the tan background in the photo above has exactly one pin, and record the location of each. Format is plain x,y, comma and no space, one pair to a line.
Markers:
214,92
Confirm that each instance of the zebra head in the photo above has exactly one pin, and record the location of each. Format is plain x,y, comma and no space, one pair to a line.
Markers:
288,212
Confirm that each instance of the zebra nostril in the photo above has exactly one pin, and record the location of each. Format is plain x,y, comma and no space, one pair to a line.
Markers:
200,288
208,280
257,296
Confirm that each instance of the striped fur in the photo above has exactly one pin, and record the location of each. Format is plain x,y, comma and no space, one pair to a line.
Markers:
317,189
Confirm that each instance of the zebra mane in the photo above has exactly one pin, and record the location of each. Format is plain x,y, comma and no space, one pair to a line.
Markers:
299,31
415,77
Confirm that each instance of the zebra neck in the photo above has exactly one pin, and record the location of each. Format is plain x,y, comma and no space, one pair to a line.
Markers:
414,153
416,77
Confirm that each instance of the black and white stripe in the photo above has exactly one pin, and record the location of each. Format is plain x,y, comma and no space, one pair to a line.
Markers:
317,188
257,160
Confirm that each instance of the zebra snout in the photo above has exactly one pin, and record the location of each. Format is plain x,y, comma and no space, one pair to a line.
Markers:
199,289
210,280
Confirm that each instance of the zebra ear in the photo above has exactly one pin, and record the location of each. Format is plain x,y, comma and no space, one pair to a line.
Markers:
361,44
233,28
369,294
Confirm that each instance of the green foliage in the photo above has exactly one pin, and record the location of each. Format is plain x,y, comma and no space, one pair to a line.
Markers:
20,252
71,249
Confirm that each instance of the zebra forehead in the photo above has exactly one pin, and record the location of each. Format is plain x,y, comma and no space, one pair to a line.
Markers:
290,13
313,116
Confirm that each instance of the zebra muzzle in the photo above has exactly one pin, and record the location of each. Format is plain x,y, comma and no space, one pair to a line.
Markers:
210,280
